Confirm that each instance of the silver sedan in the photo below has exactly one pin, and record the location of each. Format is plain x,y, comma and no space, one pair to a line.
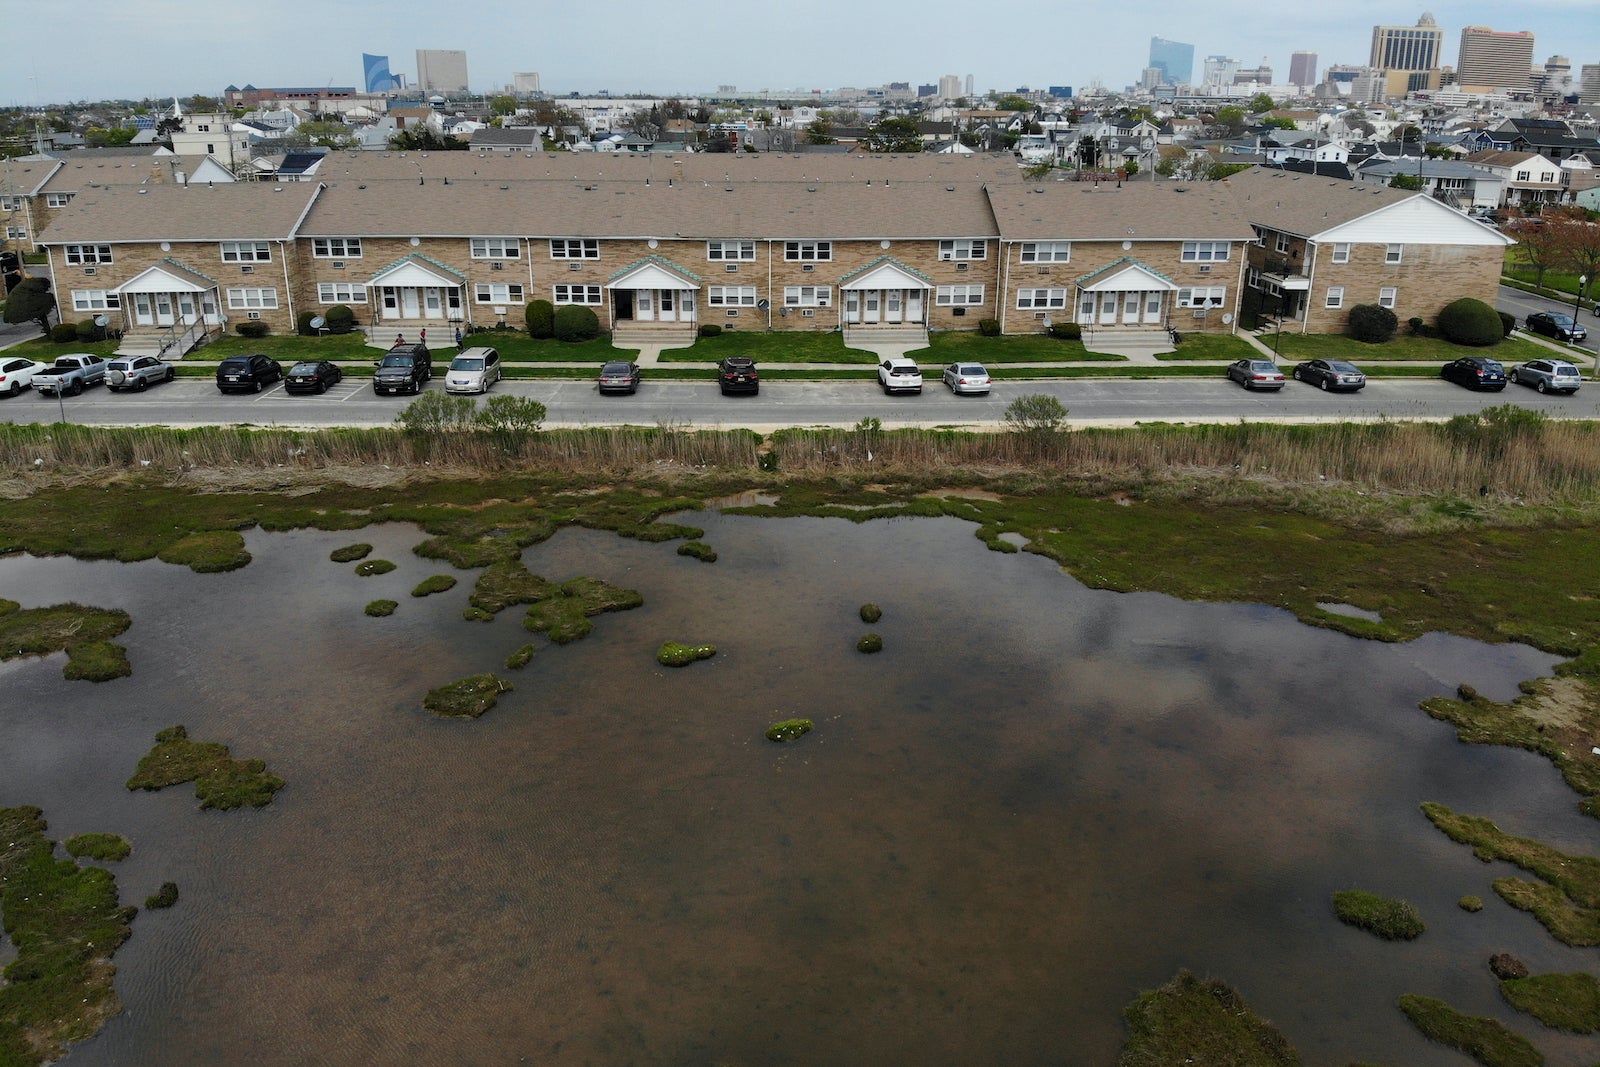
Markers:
967,379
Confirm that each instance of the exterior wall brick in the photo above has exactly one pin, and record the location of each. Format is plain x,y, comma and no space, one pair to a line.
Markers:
1426,279
1164,257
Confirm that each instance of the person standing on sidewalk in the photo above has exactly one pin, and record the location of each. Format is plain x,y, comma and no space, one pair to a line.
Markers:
459,346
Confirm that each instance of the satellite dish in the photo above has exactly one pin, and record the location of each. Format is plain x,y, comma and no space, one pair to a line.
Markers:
1227,317
102,321
763,305
318,323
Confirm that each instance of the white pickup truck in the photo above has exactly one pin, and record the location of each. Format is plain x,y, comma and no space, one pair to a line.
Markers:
70,374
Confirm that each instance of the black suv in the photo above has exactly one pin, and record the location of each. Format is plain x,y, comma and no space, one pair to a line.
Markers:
737,374
247,374
403,369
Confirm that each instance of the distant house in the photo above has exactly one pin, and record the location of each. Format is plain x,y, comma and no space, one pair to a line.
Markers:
1459,184
1528,177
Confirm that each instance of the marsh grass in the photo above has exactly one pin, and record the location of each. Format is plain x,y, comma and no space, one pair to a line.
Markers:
564,616
81,632
1489,1041
789,730
1564,1001
870,643
699,550
435,583
1470,903
1195,1021
871,613
65,923
1392,920
165,897
350,553
1567,899
374,567
380,608
208,552
521,657
107,848
220,781
467,698
674,654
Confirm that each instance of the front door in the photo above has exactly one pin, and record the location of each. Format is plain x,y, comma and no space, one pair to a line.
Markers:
871,306
1152,307
1108,309
143,310
1131,302
164,315
893,301
409,305
624,303
391,302
852,307
186,308
647,307
914,305
686,305
433,302
668,312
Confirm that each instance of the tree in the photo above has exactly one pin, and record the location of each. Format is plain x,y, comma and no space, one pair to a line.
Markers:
1577,242
423,139
503,105
820,132
1012,102
510,416
1406,181
1539,247
203,104
719,141
1278,123
894,135
327,134
1036,416
1261,103
31,301
1228,121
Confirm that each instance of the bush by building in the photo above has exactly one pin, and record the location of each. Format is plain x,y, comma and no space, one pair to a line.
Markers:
1372,324
575,322
540,316
1470,322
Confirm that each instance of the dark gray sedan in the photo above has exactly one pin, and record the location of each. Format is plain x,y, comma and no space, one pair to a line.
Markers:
1330,375
619,377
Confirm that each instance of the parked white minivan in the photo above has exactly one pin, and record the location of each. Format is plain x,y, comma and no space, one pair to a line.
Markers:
473,371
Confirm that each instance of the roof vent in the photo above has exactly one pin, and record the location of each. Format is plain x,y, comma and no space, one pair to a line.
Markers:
949,188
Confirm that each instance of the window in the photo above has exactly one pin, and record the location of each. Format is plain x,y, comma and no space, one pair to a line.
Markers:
1341,252
1522,175
731,251
341,293
1041,298
807,296
252,299
95,300
1387,296
964,249
731,296
958,295
81,254
1282,244
1202,296
10,203
1252,278
1391,254
1335,297
504,248
804,251
575,248
16,233
57,199
498,293
336,247
1046,252
577,294
246,252
1205,251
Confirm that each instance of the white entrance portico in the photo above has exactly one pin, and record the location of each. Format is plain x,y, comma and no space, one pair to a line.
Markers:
886,294
654,293
168,307
1124,294
417,290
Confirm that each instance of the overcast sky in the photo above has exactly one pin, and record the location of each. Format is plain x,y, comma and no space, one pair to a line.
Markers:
97,49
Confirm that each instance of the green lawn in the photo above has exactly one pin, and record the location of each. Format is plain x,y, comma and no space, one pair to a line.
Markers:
778,346
1297,346
951,346
1211,346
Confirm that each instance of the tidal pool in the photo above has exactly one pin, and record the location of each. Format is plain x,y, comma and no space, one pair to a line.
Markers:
1038,800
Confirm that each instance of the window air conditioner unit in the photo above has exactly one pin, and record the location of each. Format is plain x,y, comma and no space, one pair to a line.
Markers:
1205,268
497,266
247,270
88,270
1043,270
808,268
733,314
574,266
963,266
253,315
732,268
947,255
958,312
1038,316
807,313
337,264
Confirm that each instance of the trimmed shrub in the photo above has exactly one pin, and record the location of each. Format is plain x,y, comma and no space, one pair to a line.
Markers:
989,327
1508,322
1372,324
1066,331
1416,326
251,328
341,318
1470,322
575,322
302,324
710,329
87,331
63,333
540,315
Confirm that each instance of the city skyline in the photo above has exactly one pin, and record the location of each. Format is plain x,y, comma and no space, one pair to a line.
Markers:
158,48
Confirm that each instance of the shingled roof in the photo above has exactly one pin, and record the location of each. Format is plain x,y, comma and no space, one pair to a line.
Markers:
236,212
1131,210
1306,204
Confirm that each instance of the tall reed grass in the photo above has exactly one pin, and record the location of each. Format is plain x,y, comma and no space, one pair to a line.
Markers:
1508,452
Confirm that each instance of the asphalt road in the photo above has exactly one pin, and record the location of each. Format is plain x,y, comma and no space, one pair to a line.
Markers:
190,401
1521,304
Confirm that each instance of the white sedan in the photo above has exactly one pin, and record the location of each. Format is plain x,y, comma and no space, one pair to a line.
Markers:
967,379
16,374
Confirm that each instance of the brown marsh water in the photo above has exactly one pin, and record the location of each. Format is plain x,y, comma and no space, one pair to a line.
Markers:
1038,800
